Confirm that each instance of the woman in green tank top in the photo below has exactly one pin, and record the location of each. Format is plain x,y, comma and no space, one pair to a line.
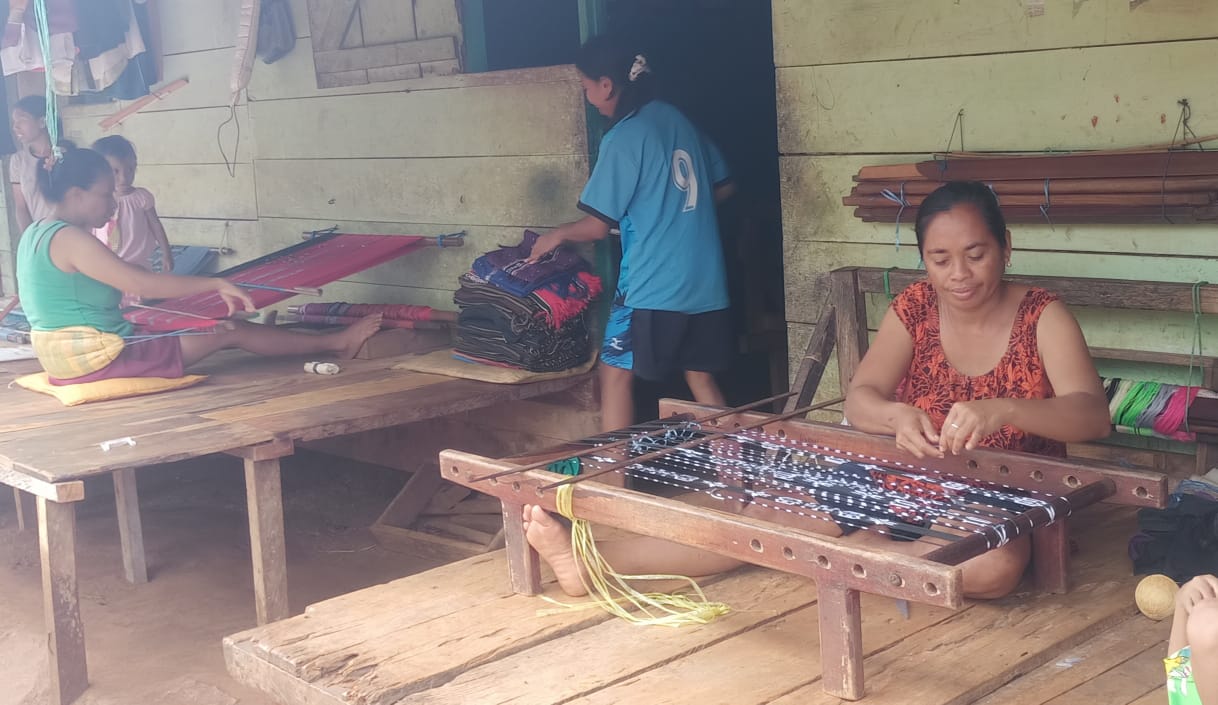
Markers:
68,278
1192,662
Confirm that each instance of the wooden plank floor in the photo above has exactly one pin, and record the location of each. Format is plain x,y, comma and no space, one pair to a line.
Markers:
455,635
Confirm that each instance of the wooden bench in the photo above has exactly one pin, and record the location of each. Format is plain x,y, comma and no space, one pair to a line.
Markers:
844,326
260,410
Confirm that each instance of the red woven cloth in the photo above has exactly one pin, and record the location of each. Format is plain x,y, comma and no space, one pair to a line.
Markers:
314,263
396,312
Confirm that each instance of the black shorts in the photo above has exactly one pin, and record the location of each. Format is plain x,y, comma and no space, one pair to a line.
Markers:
665,342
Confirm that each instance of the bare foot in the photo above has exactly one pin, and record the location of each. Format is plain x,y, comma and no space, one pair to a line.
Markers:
553,543
352,338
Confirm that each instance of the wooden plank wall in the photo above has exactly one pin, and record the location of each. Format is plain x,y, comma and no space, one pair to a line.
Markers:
882,81
487,153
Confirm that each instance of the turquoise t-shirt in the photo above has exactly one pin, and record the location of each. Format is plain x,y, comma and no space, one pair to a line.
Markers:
655,178
52,298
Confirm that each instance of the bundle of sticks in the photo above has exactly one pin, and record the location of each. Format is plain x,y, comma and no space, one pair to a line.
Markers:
1132,186
395,315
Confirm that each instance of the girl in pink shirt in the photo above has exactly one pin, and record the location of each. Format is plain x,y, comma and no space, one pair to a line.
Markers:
134,232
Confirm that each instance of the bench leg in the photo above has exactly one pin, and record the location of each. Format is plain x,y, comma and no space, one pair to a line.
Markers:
264,499
130,529
60,603
20,509
841,641
1051,556
524,565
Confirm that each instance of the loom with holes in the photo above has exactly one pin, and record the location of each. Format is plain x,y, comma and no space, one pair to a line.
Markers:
782,479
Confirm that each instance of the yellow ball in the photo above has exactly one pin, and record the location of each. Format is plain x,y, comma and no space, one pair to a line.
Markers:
1156,596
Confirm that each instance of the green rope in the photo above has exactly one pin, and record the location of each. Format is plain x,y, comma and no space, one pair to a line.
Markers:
1195,351
44,39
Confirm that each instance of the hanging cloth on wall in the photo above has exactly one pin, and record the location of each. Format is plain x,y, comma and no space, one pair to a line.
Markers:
103,25
21,49
276,30
140,73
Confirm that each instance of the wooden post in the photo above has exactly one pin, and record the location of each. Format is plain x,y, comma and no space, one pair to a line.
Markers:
413,498
524,565
20,509
264,499
841,641
1051,556
130,529
850,308
60,603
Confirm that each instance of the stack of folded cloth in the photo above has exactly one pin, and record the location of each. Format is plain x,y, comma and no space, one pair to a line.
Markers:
526,315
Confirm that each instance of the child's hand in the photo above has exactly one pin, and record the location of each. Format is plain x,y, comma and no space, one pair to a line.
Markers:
167,263
544,245
1199,589
234,295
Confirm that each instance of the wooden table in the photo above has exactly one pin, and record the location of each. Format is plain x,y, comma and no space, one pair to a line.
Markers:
256,409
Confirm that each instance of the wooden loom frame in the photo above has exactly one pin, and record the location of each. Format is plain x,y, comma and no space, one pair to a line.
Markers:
842,571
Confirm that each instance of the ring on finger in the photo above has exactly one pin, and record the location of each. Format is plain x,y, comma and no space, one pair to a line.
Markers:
955,425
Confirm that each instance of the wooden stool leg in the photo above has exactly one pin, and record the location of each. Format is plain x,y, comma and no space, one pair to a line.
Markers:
20,509
841,641
130,529
264,500
524,565
1051,556
60,603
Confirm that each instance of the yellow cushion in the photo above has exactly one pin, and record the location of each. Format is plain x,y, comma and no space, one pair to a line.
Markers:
116,388
75,351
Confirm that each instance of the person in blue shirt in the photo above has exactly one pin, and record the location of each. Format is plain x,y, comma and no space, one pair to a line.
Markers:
657,179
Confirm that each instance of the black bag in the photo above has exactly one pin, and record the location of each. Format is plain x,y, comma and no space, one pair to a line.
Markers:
1180,542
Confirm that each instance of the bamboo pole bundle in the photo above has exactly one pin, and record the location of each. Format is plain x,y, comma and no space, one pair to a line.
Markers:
1138,185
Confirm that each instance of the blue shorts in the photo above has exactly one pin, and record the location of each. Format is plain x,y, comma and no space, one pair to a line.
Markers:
618,348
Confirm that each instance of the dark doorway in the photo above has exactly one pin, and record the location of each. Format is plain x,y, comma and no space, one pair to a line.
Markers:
714,59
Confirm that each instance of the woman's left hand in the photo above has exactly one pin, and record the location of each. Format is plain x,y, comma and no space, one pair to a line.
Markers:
970,422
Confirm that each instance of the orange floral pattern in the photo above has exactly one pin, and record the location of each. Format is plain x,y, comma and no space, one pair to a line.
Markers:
933,385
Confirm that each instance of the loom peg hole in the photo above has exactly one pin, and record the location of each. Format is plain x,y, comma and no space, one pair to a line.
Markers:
781,433
1004,470
858,570
1072,481
1038,475
823,562
1141,492
455,470
788,553
931,589
896,580
755,544
515,486
494,480
972,464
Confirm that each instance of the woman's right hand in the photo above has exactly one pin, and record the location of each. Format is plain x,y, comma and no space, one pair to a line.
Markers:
915,432
234,296
1199,589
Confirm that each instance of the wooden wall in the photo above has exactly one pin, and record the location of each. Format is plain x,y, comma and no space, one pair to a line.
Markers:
881,81
487,153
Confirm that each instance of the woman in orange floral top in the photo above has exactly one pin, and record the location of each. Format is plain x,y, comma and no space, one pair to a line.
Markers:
966,360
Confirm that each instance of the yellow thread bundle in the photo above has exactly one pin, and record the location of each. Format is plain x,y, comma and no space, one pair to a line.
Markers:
1156,596
610,590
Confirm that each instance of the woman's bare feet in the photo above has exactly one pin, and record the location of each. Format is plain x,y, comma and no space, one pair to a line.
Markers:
352,338
552,541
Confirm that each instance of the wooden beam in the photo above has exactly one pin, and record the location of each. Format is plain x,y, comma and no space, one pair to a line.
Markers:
524,564
130,528
328,22
278,448
396,54
841,640
850,308
735,536
1051,556
60,601
71,491
812,367
413,498
1074,291
264,500
20,506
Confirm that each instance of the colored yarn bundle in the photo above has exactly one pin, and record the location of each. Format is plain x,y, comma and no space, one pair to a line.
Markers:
1143,408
